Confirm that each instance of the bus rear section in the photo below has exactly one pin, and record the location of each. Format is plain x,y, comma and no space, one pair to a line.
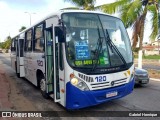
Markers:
17,57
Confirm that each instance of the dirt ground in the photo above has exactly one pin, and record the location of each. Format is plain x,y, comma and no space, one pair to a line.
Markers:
18,100
154,74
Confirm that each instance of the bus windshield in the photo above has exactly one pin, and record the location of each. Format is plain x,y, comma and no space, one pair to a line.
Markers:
87,37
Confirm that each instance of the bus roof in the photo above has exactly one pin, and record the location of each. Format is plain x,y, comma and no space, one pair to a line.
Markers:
58,13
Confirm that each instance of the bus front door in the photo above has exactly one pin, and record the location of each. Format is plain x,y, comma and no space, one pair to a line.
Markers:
53,73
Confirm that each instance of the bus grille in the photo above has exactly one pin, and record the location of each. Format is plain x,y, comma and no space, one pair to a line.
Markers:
96,86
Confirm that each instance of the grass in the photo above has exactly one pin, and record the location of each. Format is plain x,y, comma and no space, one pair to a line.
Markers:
155,57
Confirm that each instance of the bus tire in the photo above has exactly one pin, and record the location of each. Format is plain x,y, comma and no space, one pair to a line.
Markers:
18,74
42,88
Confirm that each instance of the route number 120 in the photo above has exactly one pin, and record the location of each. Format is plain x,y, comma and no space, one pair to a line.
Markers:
101,78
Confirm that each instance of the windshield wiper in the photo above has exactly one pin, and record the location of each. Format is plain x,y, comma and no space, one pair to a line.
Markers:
98,50
112,45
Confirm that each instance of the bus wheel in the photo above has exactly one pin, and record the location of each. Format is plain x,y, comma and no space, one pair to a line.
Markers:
43,88
18,74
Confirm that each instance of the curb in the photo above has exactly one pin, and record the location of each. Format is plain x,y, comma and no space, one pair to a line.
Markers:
155,79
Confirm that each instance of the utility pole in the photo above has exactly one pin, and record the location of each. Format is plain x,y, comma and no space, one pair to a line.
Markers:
30,17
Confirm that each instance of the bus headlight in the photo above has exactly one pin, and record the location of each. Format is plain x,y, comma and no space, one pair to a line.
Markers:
74,81
79,84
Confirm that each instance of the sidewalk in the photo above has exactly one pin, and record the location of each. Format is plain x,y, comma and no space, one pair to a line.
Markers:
5,104
155,79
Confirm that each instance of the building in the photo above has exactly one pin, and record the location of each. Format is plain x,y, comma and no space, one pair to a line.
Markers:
152,49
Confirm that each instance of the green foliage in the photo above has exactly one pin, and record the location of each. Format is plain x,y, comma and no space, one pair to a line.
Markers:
71,8
135,50
130,13
1,45
133,13
6,44
113,7
22,28
155,57
159,22
154,21
84,4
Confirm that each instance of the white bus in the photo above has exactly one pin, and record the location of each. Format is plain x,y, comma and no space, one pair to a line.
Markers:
79,58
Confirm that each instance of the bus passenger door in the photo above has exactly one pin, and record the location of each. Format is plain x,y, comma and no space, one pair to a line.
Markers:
49,69
51,65
53,74
59,83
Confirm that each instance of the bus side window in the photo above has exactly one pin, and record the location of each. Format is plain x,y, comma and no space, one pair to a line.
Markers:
38,42
21,42
28,41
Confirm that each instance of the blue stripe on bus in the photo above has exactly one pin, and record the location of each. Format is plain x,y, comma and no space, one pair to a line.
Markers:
75,98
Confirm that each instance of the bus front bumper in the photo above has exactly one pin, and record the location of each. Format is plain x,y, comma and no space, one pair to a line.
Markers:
76,98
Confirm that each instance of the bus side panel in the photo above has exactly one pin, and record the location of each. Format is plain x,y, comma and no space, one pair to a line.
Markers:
68,70
18,64
26,57
32,63
13,61
22,72
38,63
62,79
21,61
13,54
21,67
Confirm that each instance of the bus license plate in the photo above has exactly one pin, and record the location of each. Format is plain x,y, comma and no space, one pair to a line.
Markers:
111,94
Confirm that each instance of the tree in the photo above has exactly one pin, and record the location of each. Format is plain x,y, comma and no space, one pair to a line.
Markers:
1,44
84,4
133,14
159,23
6,44
22,28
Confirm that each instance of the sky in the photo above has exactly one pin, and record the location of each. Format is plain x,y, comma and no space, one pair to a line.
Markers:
16,13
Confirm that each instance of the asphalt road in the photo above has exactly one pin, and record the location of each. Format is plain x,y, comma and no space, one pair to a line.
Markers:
143,98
